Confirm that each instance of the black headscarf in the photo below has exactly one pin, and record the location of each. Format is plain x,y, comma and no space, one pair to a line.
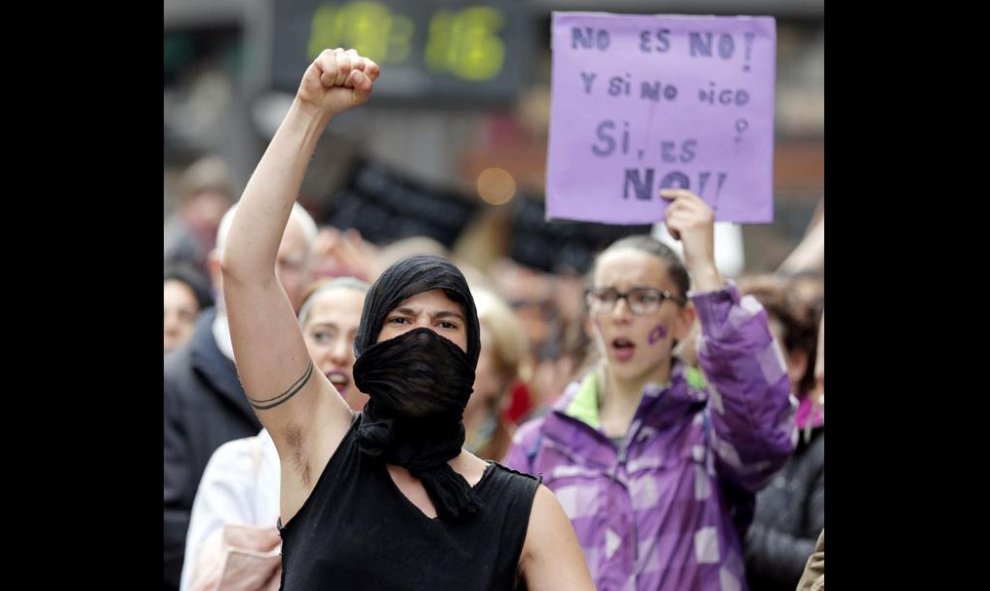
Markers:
418,383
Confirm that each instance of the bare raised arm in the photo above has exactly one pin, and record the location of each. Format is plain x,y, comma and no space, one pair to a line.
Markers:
551,557
296,403
809,254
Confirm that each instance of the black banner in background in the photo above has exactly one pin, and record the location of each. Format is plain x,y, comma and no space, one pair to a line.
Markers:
386,206
559,247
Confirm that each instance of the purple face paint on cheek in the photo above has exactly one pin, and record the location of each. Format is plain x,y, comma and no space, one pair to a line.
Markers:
656,334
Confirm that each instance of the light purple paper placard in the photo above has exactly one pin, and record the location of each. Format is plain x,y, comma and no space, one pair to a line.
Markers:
643,102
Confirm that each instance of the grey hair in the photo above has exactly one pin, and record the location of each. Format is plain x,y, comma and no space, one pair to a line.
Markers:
336,283
299,213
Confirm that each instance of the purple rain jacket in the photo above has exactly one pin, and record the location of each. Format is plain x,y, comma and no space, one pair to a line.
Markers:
668,508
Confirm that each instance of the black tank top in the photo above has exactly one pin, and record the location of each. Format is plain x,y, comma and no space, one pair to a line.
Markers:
358,531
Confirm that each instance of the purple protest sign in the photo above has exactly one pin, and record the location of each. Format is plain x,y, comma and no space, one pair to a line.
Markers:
645,102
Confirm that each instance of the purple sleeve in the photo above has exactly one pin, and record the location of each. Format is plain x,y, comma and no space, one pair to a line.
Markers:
750,407
521,452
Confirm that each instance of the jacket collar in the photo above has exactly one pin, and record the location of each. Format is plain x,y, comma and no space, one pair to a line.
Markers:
575,417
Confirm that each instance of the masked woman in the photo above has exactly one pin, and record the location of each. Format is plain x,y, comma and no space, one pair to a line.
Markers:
386,498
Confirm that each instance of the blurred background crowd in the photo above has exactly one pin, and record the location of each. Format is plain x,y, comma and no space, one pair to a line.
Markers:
450,158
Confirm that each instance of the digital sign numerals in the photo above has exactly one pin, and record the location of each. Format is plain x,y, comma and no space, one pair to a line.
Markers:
466,43
369,27
463,43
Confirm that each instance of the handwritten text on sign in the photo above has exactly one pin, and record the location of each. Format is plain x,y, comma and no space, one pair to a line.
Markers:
646,102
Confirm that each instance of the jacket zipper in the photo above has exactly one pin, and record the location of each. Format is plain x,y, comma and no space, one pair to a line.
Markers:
621,461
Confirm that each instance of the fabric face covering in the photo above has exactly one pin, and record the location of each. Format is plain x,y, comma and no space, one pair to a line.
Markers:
419,383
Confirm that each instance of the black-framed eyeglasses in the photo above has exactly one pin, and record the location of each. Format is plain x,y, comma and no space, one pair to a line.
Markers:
642,301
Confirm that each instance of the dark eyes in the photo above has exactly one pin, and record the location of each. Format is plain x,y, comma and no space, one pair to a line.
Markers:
401,320
323,336
644,298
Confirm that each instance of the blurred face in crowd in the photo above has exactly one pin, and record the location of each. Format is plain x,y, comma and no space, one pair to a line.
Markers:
531,296
205,210
329,328
292,262
488,384
181,310
429,309
796,361
637,347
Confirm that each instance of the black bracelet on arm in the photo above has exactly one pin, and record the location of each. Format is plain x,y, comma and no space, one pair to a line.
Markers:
292,391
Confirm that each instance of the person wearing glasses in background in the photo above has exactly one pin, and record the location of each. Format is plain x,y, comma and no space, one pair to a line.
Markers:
657,463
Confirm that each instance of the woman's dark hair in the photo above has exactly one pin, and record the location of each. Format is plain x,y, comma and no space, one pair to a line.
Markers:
194,279
798,318
650,245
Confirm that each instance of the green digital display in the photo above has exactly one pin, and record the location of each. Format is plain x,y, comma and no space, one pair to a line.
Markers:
428,50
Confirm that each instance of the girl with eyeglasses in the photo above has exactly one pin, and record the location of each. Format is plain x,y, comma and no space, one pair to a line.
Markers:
657,463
